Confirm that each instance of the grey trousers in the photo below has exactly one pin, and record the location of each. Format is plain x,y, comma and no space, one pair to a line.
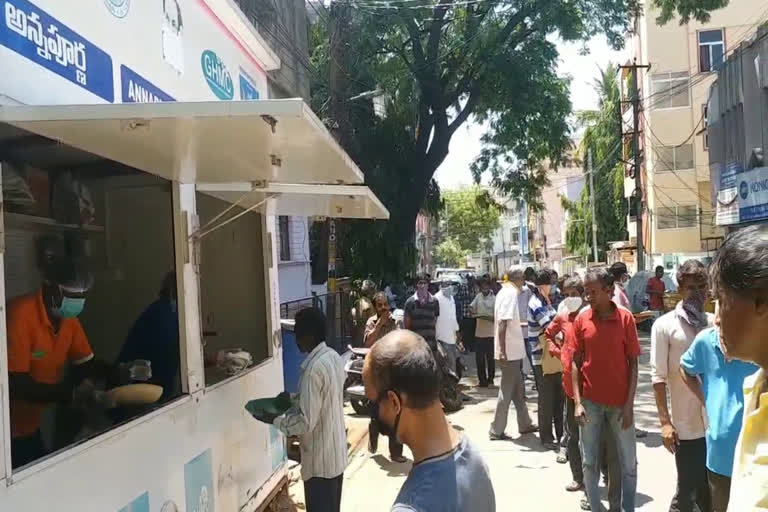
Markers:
511,390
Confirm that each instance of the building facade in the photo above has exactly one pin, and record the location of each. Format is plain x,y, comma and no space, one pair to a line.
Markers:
679,219
738,133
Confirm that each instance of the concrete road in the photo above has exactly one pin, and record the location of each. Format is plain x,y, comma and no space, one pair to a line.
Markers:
525,477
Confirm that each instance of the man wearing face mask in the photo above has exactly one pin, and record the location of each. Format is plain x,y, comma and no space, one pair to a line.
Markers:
44,336
421,312
446,326
448,474
620,278
682,427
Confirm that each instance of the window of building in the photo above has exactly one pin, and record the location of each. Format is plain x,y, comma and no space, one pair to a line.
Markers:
670,90
677,217
711,50
673,158
705,124
284,228
514,235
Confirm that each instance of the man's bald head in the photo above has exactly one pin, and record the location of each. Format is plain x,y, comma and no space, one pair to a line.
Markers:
402,361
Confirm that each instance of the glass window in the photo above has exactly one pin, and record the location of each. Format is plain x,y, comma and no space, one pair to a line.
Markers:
673,158
711,50
91,292
284,232
233,300
675,217
670,90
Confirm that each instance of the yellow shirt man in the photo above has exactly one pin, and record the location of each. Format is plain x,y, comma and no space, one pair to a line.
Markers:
749,484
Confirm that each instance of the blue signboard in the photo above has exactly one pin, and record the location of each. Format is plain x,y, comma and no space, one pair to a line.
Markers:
31,32
198,484
248,90
753,194
137,89
217,75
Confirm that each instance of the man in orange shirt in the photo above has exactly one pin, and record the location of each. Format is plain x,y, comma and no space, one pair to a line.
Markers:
44,335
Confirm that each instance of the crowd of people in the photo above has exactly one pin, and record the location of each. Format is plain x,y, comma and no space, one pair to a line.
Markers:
579,340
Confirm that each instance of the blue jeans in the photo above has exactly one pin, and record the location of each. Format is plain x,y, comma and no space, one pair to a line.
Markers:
599,415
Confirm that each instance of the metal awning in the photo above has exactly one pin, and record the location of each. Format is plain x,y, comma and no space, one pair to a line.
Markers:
338,201
199,142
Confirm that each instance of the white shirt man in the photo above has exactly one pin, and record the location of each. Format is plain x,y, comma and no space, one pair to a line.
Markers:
446,324
509,350
671,336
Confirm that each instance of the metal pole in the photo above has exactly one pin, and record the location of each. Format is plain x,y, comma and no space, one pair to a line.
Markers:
591,173
638,174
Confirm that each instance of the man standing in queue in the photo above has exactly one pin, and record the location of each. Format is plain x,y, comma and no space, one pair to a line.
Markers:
44,336
318,415
608,349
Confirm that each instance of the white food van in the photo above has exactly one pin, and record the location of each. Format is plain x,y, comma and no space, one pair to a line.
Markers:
139,105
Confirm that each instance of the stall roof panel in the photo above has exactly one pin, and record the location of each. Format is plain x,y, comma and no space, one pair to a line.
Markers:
199,142
337,201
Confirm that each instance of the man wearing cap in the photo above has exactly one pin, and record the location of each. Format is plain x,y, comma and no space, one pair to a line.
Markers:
44,335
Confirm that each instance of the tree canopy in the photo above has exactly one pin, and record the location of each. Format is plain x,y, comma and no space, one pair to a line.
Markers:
686,10
601,136
468,218
439,63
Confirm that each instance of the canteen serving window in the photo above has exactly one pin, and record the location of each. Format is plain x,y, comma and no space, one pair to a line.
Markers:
90,292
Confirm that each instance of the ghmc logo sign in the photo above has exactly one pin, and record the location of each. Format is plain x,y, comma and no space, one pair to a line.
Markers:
118,8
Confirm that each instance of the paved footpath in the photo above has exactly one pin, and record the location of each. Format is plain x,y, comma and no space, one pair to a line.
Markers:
525,477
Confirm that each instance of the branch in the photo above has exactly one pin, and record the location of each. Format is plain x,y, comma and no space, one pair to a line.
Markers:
469,107
436,30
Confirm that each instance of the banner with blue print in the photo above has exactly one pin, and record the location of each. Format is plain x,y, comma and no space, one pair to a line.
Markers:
753,194
33,33
137,89
248,90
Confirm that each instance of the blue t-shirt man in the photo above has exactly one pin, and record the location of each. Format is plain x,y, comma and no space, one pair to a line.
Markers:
455,482
722,383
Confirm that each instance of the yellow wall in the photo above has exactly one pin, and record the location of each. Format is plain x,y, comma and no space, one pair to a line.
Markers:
674,48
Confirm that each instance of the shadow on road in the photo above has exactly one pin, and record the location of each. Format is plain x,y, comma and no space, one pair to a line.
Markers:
392,468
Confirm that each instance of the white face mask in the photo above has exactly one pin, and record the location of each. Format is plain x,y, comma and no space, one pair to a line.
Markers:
572,304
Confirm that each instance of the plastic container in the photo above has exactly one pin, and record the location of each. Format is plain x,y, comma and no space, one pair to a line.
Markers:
292,357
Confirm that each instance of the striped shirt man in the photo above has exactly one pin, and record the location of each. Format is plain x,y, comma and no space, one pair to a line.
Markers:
421,317
540,314
318,417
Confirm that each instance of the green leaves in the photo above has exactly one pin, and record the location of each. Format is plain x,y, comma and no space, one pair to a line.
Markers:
686,10
469,218
441,63
601,135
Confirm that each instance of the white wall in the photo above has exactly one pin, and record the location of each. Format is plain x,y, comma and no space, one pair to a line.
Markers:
295,275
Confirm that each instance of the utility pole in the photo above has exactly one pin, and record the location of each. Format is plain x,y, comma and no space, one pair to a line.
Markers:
591,172
637,159
338,29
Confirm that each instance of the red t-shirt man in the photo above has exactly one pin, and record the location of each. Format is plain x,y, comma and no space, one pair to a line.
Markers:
607,345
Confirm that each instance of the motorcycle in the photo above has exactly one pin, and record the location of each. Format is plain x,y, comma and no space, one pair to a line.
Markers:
354,390
450,396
